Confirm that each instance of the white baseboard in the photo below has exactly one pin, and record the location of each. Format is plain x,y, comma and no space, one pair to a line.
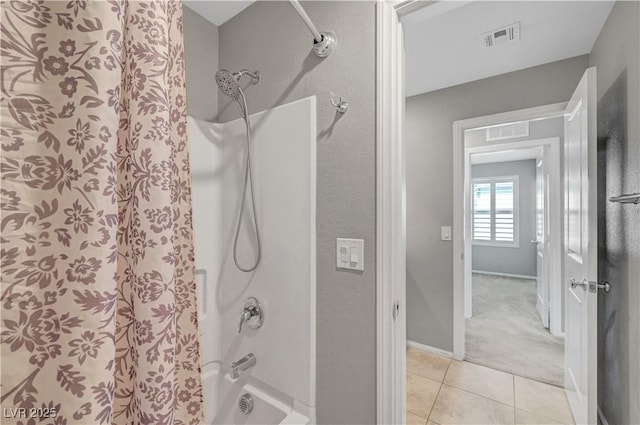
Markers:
519,276
603,419
430,349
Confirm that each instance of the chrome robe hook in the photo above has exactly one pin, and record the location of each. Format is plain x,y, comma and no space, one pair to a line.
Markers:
341,105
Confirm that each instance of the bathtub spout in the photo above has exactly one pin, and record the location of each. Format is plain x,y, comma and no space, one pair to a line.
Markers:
243,364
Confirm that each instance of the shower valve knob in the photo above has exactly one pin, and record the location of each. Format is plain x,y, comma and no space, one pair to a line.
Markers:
252,315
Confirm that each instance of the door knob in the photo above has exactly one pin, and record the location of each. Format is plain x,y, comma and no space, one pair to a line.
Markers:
535,241
592,286
584,284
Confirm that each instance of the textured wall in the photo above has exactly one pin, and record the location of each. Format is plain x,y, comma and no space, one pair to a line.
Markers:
201,56
429,132
513,260
616,56
270,37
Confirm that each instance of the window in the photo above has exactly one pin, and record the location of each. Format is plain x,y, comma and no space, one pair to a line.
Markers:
495,211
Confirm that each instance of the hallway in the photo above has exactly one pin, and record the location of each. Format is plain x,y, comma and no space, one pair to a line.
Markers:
441,391
506,333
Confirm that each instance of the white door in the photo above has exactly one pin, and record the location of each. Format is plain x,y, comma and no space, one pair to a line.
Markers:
542,237
580,253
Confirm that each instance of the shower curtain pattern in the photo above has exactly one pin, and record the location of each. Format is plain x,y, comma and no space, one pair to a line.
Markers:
99,318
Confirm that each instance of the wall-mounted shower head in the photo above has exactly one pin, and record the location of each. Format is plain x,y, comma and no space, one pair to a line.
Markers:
228,82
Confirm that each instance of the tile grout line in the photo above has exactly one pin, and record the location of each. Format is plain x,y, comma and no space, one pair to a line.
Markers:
475,395
439,389
486,397
537,413
514,406
434,401
513,378
427,379
406,406
480,395
473,392
493,400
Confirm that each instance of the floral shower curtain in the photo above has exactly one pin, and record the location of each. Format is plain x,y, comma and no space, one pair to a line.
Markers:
99,316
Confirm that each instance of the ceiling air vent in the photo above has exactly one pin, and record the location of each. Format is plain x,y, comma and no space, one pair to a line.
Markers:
502,35
508,131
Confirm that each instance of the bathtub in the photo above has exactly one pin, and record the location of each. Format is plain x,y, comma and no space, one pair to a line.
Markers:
222,395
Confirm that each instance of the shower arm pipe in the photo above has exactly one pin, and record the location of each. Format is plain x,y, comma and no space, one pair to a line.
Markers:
323,43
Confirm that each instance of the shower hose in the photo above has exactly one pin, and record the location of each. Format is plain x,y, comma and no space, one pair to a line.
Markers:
248,181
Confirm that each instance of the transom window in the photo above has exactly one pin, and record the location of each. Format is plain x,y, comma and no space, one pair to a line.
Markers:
495,211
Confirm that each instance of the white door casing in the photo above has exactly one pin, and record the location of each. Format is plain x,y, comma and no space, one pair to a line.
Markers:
542,237
580,253
390,210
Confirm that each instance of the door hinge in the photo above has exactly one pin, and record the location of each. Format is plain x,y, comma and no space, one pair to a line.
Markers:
396,309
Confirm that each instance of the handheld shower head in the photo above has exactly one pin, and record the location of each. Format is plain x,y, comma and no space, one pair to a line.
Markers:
228,82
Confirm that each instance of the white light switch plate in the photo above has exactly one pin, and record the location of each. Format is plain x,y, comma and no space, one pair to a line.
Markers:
350,254
445,233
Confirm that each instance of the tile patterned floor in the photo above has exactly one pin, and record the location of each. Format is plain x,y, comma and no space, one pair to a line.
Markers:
441,391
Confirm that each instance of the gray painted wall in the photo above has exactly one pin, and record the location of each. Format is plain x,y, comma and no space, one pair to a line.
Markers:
270,37
615,55
519,260
201,59
429,148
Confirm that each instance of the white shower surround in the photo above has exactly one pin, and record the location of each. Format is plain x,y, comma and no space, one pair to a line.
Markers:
284,165
270,407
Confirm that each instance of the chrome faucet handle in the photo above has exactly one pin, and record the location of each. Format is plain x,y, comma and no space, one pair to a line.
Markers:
245,316
251,314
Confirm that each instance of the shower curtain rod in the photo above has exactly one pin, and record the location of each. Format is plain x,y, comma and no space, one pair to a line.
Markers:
323,42
307,20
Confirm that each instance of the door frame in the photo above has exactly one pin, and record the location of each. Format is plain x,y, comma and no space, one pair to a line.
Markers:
390,214
390,187
555,221
460,200
542,208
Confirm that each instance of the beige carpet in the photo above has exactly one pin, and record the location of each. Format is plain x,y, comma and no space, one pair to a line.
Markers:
506,333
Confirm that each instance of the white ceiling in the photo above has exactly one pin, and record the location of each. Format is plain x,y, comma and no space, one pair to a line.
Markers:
444,40
217,12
